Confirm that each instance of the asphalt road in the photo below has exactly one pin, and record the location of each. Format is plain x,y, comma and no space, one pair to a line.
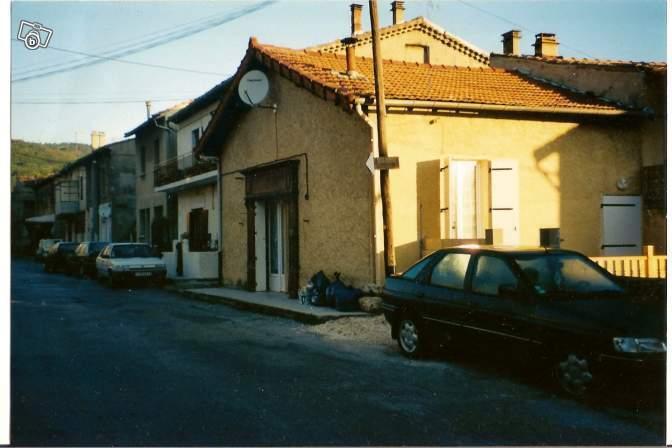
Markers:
96,366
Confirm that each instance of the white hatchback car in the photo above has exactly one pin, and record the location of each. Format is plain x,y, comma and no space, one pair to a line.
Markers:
124,262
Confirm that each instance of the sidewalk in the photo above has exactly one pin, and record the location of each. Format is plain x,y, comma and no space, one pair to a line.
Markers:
273,303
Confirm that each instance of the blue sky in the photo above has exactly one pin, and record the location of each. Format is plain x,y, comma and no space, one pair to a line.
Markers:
610,29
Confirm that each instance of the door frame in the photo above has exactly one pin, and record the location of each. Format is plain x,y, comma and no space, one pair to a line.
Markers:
274,182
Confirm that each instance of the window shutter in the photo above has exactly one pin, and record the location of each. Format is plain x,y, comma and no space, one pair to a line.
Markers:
504,193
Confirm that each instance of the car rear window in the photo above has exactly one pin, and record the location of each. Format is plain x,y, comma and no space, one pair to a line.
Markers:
450,271
98,246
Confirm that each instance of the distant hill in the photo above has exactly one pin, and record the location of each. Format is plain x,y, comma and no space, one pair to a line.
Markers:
31,160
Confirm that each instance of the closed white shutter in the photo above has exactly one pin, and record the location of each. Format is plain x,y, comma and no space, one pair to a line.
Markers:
260,244
504,206
621,225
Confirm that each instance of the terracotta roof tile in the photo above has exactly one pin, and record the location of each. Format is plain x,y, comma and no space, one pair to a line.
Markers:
424,82
419,24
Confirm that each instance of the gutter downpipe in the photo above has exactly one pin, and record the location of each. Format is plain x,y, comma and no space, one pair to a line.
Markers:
372,251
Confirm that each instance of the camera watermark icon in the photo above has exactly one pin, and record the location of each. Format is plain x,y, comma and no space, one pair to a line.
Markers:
34,35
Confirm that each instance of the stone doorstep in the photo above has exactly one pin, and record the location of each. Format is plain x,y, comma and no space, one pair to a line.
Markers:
275,304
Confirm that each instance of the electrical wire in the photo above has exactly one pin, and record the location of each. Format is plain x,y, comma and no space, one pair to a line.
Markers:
510,22
63,102
151,43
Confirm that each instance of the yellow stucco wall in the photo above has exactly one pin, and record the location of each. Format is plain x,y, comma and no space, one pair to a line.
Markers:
564,169
335,223
395,47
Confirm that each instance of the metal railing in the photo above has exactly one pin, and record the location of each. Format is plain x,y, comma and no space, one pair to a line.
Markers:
181,168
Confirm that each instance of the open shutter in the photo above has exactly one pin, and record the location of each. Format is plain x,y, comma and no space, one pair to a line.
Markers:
621,225
504,204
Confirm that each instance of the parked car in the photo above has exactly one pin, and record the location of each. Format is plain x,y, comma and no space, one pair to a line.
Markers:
83,261
558,303
58,257
125,262
43,247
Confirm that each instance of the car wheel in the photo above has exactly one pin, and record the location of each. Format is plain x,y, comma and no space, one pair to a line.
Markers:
574,375
82,271
410,337
111,282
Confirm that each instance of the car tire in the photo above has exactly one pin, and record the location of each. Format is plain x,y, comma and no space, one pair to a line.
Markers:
410,336
111,282
574,376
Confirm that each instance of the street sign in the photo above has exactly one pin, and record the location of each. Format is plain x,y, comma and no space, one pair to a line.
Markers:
369,163
386,163
382,163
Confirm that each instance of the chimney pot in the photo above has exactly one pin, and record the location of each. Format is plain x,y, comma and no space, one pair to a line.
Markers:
355,19
511,40
97,139
350,61
397,12
148,105
546,45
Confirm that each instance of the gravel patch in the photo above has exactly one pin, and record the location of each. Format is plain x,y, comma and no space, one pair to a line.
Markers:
372,330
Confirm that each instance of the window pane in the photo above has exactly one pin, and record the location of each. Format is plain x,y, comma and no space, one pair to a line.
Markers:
413,271
450,271
491,273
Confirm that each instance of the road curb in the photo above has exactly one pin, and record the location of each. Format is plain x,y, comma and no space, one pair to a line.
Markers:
306,318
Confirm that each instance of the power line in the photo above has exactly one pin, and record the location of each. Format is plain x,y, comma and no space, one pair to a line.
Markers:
152,43
64,102
116,46
510,22
144,64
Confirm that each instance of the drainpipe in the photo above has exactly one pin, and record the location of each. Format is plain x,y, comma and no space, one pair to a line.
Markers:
372,251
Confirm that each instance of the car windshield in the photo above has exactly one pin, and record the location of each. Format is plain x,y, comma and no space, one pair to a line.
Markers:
131,251
562,274
67,247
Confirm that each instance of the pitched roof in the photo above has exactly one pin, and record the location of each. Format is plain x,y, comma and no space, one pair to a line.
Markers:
159,116
202,101
417,24
423,82
324,75
653,66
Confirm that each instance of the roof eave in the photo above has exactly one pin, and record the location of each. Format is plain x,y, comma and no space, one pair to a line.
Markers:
450,105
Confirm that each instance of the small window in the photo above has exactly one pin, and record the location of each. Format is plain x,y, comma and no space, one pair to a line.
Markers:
413,272
450,271
417,53
195,136
491,273
143,161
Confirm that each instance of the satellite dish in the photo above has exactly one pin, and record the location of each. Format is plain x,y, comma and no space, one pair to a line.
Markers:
253,87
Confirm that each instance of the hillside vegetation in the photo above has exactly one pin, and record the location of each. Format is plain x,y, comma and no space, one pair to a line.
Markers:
31,160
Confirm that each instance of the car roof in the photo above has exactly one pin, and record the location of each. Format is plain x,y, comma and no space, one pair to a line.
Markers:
509,250
129,244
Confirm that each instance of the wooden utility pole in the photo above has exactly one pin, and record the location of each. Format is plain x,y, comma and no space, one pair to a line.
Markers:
388,239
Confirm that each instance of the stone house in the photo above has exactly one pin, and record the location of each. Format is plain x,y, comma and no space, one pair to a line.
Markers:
479,148
194,183
641,85
156,211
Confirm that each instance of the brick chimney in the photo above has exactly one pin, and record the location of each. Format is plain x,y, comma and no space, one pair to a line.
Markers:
355,19
350,61
546,45
397,12
97,139
511,41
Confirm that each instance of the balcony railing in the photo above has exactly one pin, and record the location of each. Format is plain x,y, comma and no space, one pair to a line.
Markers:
181,168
